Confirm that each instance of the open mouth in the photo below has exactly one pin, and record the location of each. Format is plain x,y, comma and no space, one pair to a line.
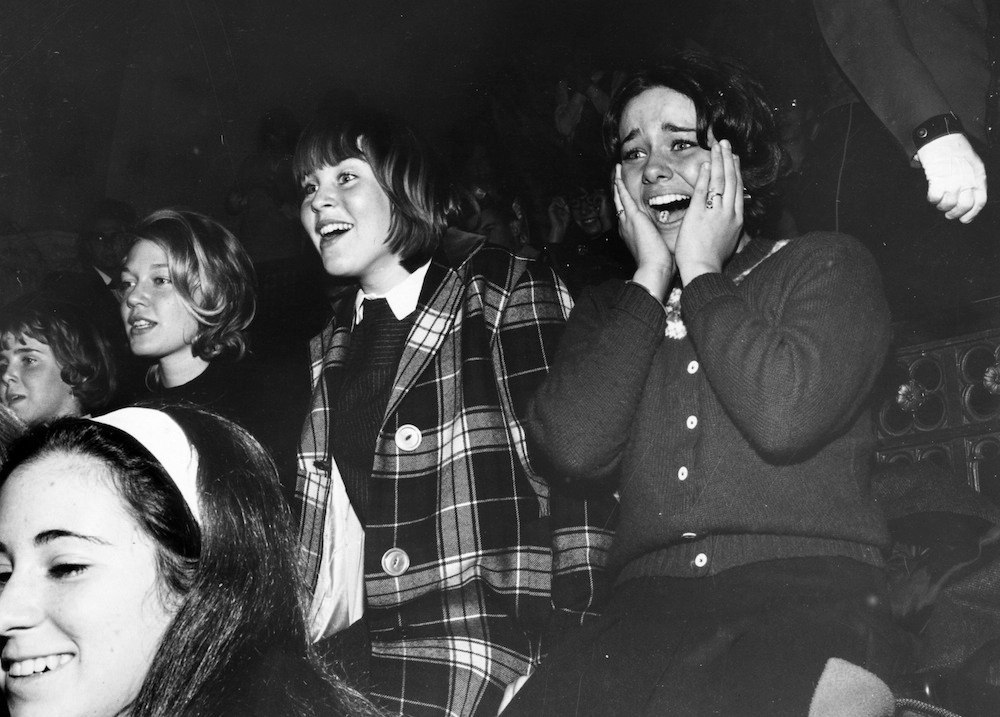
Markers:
666,205
35,665
139,326
332,230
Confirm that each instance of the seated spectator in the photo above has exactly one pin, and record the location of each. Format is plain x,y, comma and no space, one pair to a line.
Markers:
100,245
583,241
188,297
148,569
723,390
53,360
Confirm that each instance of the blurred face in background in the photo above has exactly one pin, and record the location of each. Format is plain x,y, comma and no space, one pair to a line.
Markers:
32,381
591,211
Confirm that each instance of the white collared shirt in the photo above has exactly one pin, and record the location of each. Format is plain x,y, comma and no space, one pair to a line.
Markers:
402,298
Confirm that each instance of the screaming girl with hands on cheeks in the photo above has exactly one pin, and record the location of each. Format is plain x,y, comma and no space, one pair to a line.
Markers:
722,391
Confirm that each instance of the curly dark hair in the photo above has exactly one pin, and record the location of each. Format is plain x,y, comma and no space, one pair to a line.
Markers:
727,101
79,345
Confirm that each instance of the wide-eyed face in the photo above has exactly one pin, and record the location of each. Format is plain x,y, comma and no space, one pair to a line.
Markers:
158,324
660,156
32,381
82,609
347,215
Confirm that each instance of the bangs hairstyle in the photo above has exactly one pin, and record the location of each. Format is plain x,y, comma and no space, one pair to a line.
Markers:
83,352
213,275
402,167
728,101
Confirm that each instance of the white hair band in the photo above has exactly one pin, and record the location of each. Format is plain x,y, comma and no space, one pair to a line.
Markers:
160,435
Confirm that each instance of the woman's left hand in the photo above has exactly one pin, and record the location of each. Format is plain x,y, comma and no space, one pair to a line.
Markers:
713,222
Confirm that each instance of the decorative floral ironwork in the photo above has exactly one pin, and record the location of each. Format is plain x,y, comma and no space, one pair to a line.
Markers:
991,379
911,396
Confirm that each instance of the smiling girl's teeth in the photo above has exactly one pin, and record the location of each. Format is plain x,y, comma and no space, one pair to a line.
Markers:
141,324
328,229
663,199
34,665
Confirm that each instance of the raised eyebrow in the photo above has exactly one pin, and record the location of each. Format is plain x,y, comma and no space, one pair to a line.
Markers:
47,536
633,133
670,127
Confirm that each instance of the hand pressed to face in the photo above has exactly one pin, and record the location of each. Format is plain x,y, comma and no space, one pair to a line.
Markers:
82,610
668,177
348,215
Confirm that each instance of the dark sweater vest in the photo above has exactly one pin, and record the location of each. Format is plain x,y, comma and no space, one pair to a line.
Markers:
360,401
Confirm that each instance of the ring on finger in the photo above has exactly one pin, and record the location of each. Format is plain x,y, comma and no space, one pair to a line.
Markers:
619,212
711,199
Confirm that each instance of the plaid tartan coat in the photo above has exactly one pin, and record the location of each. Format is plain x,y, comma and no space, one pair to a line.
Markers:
497,559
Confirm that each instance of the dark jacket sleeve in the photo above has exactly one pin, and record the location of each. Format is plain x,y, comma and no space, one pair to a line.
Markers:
794,375
910,60
578,422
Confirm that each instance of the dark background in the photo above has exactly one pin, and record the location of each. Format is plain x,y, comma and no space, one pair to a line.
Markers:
158,102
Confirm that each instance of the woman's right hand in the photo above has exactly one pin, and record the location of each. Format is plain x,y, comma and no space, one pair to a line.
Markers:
654,262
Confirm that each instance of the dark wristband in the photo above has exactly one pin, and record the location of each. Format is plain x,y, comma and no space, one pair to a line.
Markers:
937,126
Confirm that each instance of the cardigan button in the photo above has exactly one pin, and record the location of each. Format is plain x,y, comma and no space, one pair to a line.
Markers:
693,367
700,560
408,437
692,422
682,473
395,562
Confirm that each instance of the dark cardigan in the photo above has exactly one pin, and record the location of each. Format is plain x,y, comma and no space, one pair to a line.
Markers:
749,440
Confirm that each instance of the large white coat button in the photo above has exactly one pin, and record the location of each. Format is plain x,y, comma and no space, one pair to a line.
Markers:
408,437
682,473
689,536
692,421
693,367
395,562
700,560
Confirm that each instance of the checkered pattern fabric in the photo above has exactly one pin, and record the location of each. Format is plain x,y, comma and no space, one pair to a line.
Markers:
499,563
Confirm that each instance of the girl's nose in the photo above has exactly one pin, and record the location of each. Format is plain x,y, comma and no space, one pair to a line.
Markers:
20,606
657,167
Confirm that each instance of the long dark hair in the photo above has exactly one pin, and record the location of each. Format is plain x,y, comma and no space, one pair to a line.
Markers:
238,644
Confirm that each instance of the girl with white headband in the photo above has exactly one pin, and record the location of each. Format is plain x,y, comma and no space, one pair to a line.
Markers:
146,564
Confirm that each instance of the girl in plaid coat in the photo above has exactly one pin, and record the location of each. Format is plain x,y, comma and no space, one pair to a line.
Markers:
472,562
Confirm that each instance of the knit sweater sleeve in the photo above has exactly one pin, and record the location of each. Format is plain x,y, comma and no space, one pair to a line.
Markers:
578,422
793,359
